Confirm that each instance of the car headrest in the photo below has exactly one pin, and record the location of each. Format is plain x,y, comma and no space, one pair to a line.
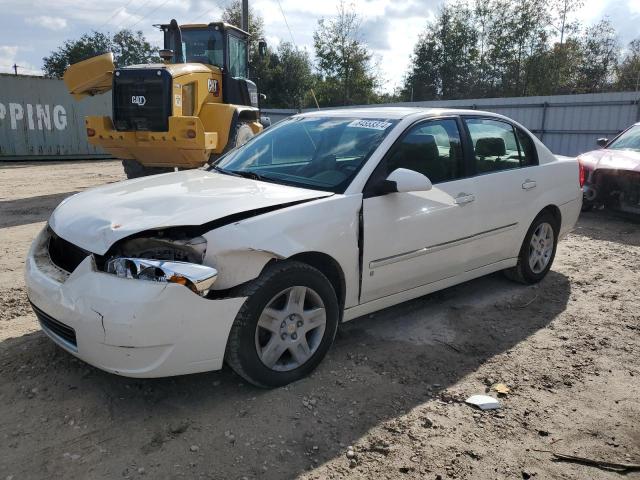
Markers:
422,145
490,147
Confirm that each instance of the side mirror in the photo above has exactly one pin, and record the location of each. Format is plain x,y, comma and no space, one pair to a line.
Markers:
602,142
262,48
166,54
406,180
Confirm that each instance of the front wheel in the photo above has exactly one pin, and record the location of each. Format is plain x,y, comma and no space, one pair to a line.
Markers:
285,327
538,250
238,136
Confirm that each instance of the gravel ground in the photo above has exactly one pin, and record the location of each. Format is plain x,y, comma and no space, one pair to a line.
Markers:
387,402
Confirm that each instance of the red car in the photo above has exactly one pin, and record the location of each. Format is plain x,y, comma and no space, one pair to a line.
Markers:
611,175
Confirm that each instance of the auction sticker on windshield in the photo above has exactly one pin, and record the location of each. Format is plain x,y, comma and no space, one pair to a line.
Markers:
372,124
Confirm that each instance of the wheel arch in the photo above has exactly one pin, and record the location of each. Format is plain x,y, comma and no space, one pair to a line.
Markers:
329,267
248,114
555,211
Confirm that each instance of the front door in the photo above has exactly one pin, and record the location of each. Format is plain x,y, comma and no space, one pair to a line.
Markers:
416,238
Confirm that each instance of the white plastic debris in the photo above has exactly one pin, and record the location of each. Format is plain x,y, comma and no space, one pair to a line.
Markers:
483,402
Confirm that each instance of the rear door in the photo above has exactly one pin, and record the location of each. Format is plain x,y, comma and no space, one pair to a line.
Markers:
506,183
416,238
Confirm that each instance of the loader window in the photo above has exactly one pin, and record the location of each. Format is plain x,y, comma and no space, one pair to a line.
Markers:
237,57
200,45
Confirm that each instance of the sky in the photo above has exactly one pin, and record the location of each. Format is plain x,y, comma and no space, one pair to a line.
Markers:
31,29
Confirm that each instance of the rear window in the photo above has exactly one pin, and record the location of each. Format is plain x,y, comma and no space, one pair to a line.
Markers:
499,145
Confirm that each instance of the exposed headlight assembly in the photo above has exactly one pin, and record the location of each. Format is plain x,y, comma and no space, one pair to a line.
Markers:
197,278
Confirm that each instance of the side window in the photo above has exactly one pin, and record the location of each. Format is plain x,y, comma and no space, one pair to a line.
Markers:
237,57
494,144
432,148
528,152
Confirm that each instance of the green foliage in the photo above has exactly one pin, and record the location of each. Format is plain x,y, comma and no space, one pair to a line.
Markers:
285,77
232,14
512,48
346,75
128,48
628,72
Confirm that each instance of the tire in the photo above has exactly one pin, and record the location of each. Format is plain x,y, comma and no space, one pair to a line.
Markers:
545,224
243,133
134,169
586,206
252,349
240,135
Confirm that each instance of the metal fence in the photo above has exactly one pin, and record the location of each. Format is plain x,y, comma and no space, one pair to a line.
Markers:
39,120
567,124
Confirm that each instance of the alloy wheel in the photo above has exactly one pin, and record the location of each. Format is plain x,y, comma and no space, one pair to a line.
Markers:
290,328
541,247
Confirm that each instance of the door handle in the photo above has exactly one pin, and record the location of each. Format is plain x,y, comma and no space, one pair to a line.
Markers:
529,184
464,198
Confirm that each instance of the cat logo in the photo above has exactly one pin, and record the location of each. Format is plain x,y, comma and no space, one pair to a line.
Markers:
139,100
212,85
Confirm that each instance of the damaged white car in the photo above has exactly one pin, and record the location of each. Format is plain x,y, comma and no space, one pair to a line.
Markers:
322,218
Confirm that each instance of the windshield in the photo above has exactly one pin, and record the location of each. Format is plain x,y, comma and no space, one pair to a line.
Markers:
199,45
629,140
321,153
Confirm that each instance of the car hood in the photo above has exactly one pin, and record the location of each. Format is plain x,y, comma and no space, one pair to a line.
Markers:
610,159
96,219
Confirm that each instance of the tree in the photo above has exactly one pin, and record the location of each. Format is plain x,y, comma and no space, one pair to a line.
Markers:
343,60
561,10
128,48
232,14
290,77
131,48
510,48
628,72
74,51
600,52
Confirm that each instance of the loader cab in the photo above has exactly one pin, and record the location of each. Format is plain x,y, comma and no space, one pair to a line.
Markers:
218,44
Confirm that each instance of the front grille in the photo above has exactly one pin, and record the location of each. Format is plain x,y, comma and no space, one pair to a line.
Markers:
65,255
142,100
56,328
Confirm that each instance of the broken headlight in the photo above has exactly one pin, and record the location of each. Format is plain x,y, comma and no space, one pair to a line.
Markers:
197,278
163,259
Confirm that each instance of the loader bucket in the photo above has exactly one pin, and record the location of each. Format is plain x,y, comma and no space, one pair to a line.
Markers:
90,77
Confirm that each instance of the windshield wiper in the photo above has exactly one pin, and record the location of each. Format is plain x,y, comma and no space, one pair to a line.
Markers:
251,175
226,172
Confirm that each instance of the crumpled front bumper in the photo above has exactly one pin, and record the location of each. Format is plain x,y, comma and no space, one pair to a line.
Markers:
130,327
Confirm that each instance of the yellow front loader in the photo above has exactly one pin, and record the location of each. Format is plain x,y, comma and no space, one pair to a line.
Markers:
196,105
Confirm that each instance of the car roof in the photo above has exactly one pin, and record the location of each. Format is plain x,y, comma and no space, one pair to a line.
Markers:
394,112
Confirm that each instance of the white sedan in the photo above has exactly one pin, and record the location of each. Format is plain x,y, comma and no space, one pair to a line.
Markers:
322,218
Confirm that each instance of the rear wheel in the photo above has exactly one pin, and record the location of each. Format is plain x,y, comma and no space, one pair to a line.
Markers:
134,169
538,250
285,327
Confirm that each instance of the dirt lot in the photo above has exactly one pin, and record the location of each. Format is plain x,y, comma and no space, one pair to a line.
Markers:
392,386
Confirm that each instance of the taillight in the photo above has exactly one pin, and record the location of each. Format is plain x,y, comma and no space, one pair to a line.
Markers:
582,174
91,132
